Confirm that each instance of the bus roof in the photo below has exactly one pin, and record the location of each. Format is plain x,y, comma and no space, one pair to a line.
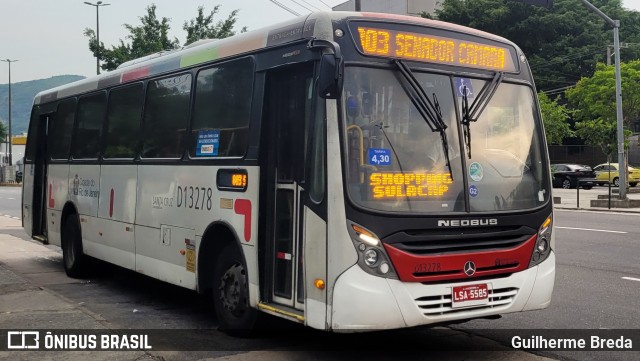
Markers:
315,25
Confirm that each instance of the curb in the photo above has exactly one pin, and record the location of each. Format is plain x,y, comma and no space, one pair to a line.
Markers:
10,184
612,210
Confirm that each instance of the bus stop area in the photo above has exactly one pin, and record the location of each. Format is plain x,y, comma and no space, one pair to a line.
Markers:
584,199
31,277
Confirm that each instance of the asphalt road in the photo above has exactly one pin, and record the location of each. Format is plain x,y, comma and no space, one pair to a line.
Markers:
597,281
10,198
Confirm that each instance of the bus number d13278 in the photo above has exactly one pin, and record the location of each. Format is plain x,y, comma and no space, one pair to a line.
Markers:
194,197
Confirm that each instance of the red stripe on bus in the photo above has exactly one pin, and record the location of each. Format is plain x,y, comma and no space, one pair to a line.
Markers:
52,202
243,207
111,203
135,74
416,268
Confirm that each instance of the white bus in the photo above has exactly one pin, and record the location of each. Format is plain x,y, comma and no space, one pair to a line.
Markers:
348,171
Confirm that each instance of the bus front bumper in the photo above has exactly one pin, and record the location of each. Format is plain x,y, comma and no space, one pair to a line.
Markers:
364,302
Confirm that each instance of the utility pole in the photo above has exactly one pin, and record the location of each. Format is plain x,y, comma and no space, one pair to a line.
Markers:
622,46
97,5
358,5
622,167
10,154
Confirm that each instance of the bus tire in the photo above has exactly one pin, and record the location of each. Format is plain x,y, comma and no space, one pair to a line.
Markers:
73,258
231,294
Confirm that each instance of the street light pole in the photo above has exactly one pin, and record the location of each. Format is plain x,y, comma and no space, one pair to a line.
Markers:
622,168
615,24
97,5
9,61
622,164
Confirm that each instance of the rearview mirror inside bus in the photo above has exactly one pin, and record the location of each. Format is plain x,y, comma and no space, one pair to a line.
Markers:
329,77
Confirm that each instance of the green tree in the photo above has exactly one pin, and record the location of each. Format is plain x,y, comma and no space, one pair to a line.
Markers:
595,103
202,27
3,132
152,36
555,118
594,97
599,133
562,44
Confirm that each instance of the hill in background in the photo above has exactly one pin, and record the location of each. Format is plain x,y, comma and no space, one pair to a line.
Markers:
23,94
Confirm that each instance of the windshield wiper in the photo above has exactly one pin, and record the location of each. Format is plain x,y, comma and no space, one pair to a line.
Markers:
471,114
430,111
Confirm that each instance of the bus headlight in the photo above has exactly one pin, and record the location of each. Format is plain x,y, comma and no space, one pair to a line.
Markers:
372,257
542,248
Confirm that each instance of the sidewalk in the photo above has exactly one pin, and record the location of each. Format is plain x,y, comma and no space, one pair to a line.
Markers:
26,268
569,199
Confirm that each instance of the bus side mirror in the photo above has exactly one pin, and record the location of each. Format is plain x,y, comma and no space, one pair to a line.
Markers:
330,77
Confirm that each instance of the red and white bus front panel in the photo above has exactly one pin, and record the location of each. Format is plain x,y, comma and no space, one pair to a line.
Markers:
388,303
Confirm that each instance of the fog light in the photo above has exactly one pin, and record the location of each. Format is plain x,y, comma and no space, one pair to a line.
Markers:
542,245
370,257
384,268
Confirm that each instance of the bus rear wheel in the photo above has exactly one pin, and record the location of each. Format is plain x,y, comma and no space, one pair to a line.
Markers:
231,294
74,260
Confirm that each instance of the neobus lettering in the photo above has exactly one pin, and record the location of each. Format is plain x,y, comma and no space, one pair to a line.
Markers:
467,222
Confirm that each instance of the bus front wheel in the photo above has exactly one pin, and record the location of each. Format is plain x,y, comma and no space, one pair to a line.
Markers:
73,258
231,293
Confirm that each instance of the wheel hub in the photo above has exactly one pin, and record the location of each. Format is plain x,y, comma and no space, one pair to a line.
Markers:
233,290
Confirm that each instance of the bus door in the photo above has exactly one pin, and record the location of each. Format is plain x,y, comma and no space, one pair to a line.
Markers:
288,111
38,171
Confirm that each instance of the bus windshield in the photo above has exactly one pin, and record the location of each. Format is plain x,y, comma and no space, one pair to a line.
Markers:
396,162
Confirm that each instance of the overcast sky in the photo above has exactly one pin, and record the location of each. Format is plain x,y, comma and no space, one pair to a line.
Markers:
46,36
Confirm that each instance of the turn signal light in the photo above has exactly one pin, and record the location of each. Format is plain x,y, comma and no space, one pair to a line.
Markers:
319,284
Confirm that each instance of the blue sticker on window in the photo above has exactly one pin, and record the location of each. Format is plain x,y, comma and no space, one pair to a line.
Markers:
464,85
473,190
208,143
379,156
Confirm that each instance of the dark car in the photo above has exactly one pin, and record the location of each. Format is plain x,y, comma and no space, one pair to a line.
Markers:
567,176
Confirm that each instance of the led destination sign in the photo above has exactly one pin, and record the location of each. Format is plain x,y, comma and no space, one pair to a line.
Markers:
433,49
413,185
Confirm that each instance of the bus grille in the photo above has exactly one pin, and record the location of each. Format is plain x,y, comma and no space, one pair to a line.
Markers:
441,305
440,242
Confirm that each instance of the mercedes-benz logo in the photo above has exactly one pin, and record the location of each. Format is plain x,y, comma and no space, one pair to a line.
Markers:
469,268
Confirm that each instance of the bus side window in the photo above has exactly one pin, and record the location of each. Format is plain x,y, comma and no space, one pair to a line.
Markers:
88,133
123,122
62,129
222,109
32,138
166,116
